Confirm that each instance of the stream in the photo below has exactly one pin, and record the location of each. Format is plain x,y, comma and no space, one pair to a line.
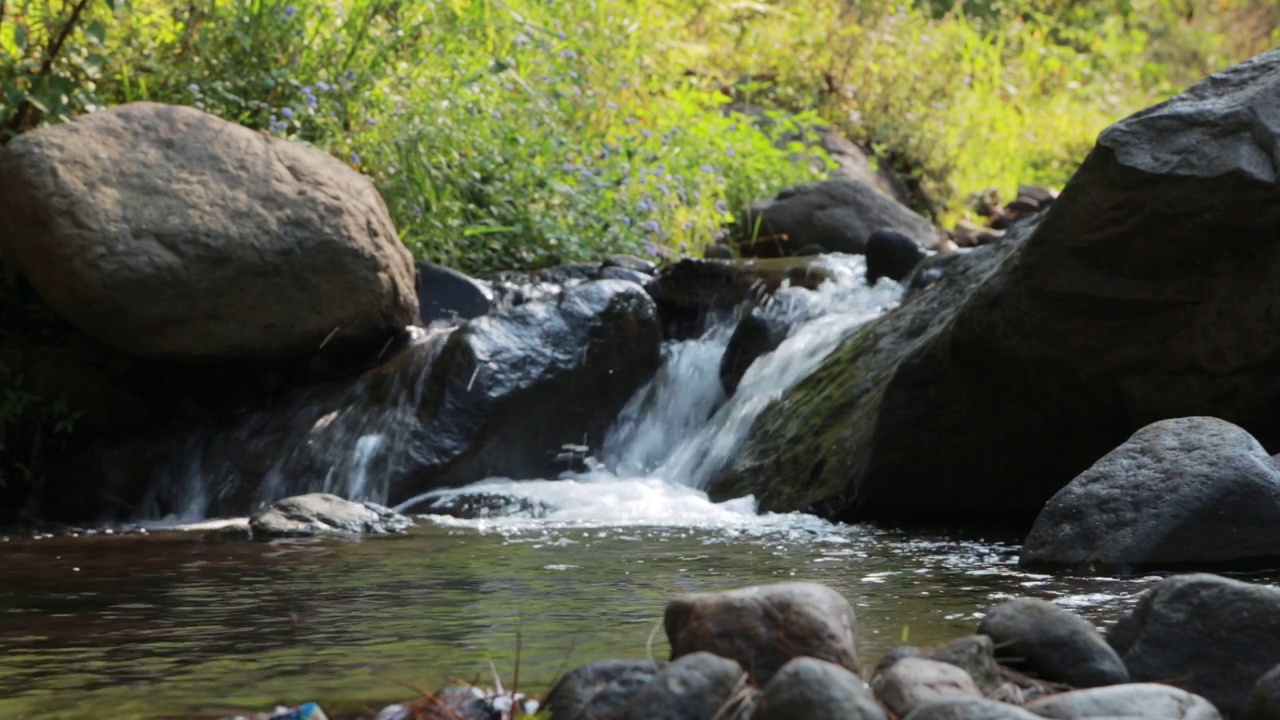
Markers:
166,618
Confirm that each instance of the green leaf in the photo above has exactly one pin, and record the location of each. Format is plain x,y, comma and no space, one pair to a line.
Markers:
487,230
97,30
20,36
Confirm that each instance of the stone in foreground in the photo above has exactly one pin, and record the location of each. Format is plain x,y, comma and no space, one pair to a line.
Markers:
1264,702
812,689
1040,638
601,690
172,234
1192,490
970,709
695,687
1138,700
764,627
915,682
1215,636
975,655
325,514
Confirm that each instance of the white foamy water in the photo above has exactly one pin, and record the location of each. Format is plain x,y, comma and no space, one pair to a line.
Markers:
679,430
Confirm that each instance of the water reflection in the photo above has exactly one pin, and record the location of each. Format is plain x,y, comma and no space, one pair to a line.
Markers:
147,625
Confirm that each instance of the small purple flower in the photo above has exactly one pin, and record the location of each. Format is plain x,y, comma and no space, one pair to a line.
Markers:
568,54
664,189
287,112
652,226
647,133
652,248
323,86
371,121
563,36
707,169
355,159
730,151
611,105
630,121
722,206
290,10
306,90
193,88
200,105
645,206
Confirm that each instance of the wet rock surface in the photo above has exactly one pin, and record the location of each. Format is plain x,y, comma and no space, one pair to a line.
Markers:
891,254
970,709
600,691
1138,700
911,683
1145,292
174,275
976,656
1264,701
812,689
1179,492
449,295
1215,635
1042,639
763,627
838,215
694,687
755,335
325,514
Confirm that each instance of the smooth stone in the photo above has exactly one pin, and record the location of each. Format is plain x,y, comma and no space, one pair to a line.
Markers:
1264,701
811,689
1138,700
914,682
1039,637
600,690
891,254
446,294
323,514
763,627
976,656
694,687
970,709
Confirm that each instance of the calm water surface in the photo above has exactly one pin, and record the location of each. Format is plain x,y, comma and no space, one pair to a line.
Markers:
172,624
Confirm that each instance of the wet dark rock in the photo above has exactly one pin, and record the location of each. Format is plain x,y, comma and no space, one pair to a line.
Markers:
755,335
601,690
763,627
1264,701
473,506
621,273
324,514
811,689
975,655
837,215
896,654
1042,639
689,290
970,709
1187,491
1138,700
718,251
446,294
1148,290
928,271
630,262
891,254
694,687
510,389
915,682
1216,637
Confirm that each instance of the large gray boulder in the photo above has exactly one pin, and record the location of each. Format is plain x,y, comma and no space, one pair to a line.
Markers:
172,234
838,215
1147,291
763,627
1190,490
1216,637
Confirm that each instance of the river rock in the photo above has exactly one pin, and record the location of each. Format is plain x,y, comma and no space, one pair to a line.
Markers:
811,689
914,682
1039,637
928,271
756,334
446,294
1190,490
838,215
172,234
891,254
763,627
976,656
970,709
510,389
1216,637
1264,701
1137,700
1148,290
601,690
324,514
695,687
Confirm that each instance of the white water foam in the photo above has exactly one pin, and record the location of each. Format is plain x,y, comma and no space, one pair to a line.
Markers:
679,430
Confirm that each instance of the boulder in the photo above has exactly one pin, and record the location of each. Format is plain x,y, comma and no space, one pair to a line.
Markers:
811,689
1040,638
1190,490
325,514
446,294
975,655
928,271
763,627
599,691
1264,701
1148,290
914,682
1215,637
1137,700
970,709
838,215
756,334
891,254
695,687
172,234
511,388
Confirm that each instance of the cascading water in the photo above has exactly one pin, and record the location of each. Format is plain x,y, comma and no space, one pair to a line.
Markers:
679,429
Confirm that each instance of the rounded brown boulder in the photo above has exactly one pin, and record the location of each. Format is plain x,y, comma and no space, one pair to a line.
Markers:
172,234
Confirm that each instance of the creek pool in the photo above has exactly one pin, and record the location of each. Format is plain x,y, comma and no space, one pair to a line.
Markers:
172,624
